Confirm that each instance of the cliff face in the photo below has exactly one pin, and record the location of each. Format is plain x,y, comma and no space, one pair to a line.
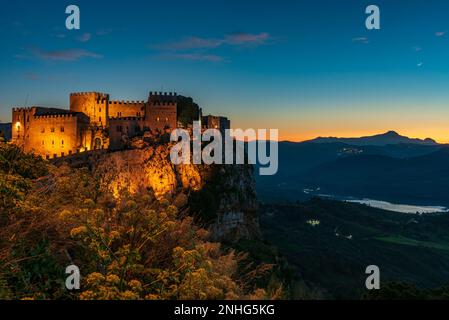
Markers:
222,197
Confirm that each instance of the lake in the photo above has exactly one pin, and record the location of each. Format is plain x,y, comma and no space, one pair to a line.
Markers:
385,205
404,208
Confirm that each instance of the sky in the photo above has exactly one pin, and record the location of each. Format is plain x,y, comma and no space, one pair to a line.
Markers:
307,68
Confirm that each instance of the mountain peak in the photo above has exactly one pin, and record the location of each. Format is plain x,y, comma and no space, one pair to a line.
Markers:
389,137
391,133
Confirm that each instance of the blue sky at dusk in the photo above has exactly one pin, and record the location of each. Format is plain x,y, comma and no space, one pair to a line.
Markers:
308,68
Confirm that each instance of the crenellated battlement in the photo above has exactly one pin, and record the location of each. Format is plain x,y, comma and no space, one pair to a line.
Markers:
169,94
127,102
22,109
92,93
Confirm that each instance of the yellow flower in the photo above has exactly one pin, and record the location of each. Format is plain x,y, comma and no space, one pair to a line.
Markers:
94,278
112,278
64,214
77,231
114,235
135,285
129,295
87,295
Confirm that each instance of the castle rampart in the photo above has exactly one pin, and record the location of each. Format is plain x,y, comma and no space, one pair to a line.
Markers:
95,122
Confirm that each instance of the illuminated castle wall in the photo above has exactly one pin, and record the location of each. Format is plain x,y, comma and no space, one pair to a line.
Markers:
50,132
94,122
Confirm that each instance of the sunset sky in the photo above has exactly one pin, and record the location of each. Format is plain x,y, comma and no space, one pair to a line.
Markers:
308,68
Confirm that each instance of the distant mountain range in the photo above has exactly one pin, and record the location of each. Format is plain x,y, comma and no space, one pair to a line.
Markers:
386,167
390,137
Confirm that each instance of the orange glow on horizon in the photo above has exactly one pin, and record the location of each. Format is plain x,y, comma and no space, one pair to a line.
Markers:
300,137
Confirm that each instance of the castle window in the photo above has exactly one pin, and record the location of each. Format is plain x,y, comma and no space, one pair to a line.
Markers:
53,142
62,142
43,142
62,129
119,128
43,130
99,110
52,129
158,119
28,118
166,119
99,119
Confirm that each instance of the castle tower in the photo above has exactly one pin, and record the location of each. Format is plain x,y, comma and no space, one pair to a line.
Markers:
21,121
93,104
161,111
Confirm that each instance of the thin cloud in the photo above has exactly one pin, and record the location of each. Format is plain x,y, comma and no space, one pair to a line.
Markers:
235,39
190,43
420,64
64,55
85,37
362,40
247,38
417,49
440,33
193,57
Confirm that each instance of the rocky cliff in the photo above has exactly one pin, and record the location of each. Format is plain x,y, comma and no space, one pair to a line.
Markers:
221,197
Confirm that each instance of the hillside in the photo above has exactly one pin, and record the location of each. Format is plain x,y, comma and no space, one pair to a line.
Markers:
333,254
131,222
423,179
329,165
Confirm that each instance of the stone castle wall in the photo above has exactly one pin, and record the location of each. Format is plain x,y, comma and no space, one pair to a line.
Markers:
92,104
95,122
52,134
126,109
161,111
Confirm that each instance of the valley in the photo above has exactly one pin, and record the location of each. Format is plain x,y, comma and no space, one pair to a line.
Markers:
331,255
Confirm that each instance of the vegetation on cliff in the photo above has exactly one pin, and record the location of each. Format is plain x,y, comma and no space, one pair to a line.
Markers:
128,245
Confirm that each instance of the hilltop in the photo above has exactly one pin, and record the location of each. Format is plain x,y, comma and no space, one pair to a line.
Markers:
390,137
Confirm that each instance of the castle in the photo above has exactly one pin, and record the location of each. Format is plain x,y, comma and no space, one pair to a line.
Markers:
95,122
